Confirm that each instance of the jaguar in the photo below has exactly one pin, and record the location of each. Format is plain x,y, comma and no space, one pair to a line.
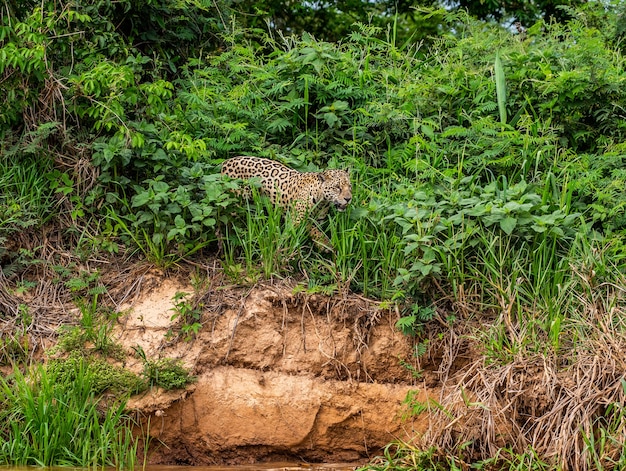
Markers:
301,193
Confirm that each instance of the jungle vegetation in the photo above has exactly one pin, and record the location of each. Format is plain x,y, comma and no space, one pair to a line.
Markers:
488,166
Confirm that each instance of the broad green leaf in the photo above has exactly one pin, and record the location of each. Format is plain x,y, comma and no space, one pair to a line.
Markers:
508,225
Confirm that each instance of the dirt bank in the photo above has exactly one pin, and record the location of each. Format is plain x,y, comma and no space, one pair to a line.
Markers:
280,376
288,376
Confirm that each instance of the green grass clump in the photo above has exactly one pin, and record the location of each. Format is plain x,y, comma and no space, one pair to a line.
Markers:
26,196
167,373
400,456
264,243
103,375
48,419
25,203
71,339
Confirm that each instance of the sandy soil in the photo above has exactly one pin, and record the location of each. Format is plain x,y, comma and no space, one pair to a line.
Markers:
280,376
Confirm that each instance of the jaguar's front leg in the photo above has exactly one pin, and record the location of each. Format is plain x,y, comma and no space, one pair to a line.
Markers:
320,239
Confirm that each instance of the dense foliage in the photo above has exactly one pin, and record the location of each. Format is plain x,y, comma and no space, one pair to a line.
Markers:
487,165
55,418
490,132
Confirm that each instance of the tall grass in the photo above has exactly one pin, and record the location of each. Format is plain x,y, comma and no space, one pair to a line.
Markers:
267,244
25,203
367,254
45,422
26,196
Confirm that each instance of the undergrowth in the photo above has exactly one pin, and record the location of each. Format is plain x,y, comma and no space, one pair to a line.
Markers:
167,373
487,172
51,418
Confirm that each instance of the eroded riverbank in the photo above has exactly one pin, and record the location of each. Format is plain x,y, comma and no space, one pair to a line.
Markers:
280,377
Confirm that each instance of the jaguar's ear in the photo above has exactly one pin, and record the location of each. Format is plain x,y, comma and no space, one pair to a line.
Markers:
321,176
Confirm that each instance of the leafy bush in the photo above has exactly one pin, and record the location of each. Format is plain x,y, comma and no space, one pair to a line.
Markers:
420,132
168,222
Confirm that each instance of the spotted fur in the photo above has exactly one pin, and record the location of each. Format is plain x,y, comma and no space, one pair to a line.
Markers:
298,191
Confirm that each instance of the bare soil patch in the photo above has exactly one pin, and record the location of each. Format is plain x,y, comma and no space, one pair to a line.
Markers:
280,376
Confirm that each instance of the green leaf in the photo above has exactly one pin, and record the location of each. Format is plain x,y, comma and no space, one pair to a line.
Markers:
427,131
407,324
140,199
179,222
160,187
508,225
500,88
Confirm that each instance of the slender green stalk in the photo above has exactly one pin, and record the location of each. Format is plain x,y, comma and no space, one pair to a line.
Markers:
500,88
51,423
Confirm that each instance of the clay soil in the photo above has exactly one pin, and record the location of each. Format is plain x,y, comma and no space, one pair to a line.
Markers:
283,375
287,376
280,376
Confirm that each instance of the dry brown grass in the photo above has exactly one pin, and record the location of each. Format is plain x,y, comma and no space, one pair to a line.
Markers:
547,402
